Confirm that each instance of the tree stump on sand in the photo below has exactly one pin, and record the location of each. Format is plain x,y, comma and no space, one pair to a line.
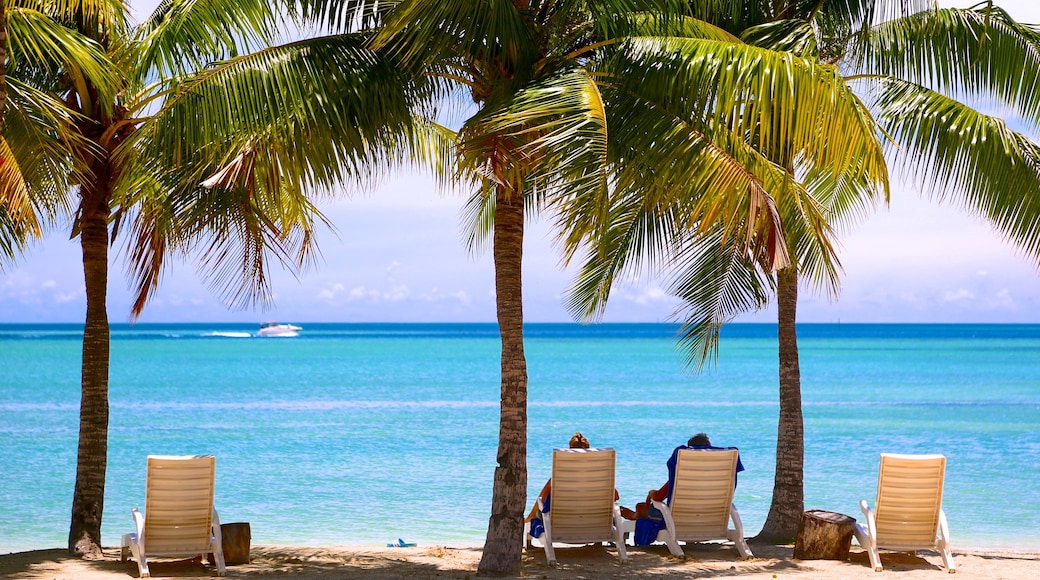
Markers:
824,535
235,540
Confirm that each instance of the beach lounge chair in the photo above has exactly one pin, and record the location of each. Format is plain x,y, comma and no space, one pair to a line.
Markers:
908,513
178,518
701,502
582,508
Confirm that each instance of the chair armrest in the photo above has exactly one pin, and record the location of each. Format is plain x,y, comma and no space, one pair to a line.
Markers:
944,527
218,541
666,511
871,522
138,523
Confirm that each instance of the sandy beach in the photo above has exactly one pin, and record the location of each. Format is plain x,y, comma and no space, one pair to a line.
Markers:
702,561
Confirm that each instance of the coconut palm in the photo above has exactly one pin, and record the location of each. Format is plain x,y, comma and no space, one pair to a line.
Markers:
196,137
564,122
908,65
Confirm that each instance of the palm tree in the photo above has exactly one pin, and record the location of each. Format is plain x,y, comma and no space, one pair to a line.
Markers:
185,141
548,78
905,69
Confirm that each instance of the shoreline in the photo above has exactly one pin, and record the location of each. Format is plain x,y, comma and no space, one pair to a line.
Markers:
1025,551
459,562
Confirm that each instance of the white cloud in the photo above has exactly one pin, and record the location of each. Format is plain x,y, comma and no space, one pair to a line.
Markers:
959,295
67,297
361,293
49,284
376,296
1002,300
331,293
397,293
644,296
461,296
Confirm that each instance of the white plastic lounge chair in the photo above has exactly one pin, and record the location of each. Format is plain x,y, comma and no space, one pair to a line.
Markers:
702,501
908,513
582,508
178,518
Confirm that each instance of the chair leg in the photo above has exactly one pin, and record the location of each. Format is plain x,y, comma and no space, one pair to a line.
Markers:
736,535
124,547
864,539
550,555
218,546
944,543
619,536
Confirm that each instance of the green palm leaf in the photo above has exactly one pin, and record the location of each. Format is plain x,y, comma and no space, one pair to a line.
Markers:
978,54
328,105
186,35
41,47
968,158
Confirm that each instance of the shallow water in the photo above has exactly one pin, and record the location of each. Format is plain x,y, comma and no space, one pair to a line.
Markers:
361,434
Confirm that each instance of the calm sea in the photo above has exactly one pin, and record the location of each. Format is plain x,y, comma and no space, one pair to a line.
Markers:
365,433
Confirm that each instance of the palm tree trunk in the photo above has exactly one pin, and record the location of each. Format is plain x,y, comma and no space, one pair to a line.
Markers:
92,456
785,511
502,548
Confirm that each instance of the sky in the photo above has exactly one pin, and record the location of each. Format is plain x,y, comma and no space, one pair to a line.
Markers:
398,255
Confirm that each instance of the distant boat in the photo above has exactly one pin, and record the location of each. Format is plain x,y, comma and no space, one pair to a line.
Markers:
275,329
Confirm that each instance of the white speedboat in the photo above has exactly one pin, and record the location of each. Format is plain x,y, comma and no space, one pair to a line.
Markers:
275,329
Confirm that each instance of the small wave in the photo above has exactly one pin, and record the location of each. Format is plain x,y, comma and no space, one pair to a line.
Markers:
228,334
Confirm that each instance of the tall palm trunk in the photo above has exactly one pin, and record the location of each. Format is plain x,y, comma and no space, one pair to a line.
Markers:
502,548
92,456
785,511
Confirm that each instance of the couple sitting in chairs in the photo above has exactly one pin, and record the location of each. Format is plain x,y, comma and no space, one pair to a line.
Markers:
695,504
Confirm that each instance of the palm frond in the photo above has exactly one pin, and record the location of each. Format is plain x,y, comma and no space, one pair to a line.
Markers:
794,36
966,157
186,35
340,16
39,170
716,283
42,46
787,107
978,54
417,33
333,110
551,133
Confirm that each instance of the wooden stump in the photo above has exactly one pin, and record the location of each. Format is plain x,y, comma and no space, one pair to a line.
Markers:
824,535
235,540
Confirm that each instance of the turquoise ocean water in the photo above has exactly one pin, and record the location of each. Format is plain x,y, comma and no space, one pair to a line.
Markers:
364,433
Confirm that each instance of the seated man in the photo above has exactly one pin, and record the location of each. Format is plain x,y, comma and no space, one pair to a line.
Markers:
578,441
648,519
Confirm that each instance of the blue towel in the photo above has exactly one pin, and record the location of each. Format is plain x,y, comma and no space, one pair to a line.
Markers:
647,528
537,528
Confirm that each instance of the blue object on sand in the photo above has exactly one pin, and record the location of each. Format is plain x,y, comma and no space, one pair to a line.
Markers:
401,544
